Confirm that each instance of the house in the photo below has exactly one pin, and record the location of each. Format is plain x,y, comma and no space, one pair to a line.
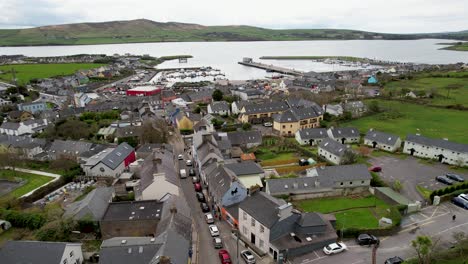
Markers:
71,149
344,134
168,95
4,102
41,252
202,96
383,141
334,110
237,106
23,128
33,107
204,125
25,146
110,162
219,108
247,94
262,112
249,173
19,116
135,218
245,139
205,149
186,121
92,207
290,121
356,108
332,151
311,136
274,228
147,149
439,149
372,80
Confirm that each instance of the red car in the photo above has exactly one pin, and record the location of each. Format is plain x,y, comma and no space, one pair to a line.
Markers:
198,187
224,257
376,169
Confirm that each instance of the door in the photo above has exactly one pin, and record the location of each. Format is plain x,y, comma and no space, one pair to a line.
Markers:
252,238
374,144
343,140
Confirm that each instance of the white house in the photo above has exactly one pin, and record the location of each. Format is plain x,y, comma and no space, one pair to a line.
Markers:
41,252
22,128
440,149
383,141
219,108
110,162
237,107
334,110
311,136
247,94
344,134
332,151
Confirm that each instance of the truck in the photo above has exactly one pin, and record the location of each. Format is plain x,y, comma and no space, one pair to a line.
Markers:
183,174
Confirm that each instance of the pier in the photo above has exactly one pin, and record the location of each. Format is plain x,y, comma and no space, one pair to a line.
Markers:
269,67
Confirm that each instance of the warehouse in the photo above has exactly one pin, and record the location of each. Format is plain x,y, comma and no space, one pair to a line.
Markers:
143,91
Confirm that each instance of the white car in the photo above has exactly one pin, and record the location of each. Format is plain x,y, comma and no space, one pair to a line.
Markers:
334,248
180,157
267,124
209,218
214,231
188,163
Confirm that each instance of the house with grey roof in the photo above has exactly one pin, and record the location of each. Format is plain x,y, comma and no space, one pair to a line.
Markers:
344,134
219,108
290,121
261,112
443,150
110,162
27,127
92,207
273,227
72,149
245,139
41,252
23,145
333,109
33,107
247,94
311,136
249,173
332,151
237,106
382,140
356,108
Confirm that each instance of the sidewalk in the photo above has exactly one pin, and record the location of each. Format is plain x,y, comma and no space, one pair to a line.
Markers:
195,247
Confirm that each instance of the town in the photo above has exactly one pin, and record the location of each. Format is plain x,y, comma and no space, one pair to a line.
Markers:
111,159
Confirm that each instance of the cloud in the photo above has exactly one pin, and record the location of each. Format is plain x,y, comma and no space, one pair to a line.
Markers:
402,16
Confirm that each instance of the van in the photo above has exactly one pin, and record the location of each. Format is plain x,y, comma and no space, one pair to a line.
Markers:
183,174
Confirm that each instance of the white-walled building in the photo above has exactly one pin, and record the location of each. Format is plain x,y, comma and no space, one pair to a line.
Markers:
311,136
344,134
41,252
383,141
110,162
22,128
332,151
219,108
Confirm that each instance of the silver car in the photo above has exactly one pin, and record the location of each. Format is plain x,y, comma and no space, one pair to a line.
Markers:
248,257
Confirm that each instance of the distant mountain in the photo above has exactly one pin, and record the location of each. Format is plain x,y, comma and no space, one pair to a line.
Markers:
143,30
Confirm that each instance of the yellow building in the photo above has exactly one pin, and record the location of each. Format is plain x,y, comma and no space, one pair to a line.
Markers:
294,119
261,113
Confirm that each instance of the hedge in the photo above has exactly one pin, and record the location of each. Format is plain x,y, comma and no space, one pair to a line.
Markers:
449,190
22,219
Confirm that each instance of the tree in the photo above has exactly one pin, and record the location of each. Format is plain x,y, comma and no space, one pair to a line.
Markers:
349,157
197,110
246,126
397,186
423,246
374,107
154,132
217,95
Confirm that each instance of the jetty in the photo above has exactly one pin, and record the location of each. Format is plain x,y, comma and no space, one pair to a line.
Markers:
269,67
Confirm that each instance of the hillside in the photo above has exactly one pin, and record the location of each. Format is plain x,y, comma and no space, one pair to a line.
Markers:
143,30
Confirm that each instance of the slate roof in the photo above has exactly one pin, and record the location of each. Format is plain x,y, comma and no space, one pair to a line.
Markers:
135,250
117,156
345,172
200,95
262,207
70,147
310,219
219,181
220,106
10,125
148,148
94,205
354,105
440,143
296,185
22,142
245,137
381,137
128,211
313,133
333,147
265,107
296,114
244,168
344,132
37,252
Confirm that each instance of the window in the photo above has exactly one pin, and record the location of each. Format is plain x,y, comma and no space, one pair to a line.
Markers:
350,183
244,216
260,244
284,126
244,230
262,229
362,182
271,250
252,222
71,254
341,183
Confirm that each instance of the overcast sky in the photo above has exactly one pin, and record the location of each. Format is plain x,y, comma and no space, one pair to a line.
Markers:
395,16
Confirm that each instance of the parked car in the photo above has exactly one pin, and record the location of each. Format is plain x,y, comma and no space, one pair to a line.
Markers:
376,169
183,174
458,201
464,196
394,260
214,231
217,243
204,207
180,157
334,248
200,196
195,179
367,239
192,172
267,124
248,256
455,177
444,180
224,257
209,218
197,187
303,162
188,163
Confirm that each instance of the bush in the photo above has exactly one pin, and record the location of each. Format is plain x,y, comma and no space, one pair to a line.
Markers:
376,181
22,219
59,230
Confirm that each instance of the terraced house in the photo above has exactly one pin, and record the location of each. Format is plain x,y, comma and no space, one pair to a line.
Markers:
294,119
261,113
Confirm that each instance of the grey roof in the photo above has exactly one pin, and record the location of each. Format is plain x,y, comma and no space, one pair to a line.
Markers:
94,205
251,92
220,106
345,172
262,207
10,125
117,156
265,107
441,143
298,113
200,95
344,132
299,102
148,148
22,142
160,162
354,105
381,137
37,252
219,181
313,133
310,219
128,131
138,250
134,210
285,117
333,147
70,147
296,185
244,168
245,137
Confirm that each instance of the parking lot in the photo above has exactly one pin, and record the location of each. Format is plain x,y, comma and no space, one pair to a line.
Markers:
411,172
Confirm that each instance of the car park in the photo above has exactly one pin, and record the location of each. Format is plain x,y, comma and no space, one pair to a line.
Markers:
197,187
180,157
200,196
188,163
195,179
217,243
444,180
209,218
367,239
458,201
224,257
247,256
455,177
214,231
204,207
334,248
192,172
394,260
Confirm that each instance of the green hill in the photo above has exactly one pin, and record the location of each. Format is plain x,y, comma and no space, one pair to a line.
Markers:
143,30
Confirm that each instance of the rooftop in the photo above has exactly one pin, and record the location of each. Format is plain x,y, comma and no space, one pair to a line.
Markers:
134,210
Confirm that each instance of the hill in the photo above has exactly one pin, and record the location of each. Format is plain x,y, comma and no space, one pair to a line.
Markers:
143,30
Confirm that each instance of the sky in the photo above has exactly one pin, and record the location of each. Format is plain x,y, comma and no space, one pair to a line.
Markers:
386,16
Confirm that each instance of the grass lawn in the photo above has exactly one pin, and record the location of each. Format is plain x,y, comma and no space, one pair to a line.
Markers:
26,72
33,181
267,155
405,118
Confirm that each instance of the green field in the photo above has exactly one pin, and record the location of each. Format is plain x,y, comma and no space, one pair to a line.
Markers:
33,181
405,118
26,72
349,212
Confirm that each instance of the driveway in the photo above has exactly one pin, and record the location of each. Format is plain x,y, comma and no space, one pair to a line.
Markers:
411,172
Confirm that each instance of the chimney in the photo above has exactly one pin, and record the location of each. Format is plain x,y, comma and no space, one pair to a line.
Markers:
295,185
284,211
317,183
